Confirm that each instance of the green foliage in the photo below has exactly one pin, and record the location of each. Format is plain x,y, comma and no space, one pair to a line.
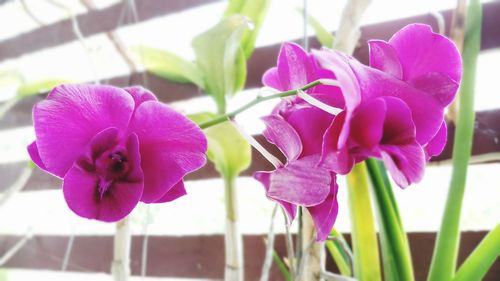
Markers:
220,57
444,260
169,66
227,149
282,266
364,238
338,249
324,36
481,259
38,87
396,254
256,11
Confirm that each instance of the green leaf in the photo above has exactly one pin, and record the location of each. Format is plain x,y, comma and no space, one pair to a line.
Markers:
444,260
256,11
227,149
364,238
338,250
38,87
396,255
282,266
324,36
219,57
169,66
481,259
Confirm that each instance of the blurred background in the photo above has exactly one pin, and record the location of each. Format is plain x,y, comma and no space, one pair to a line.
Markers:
46,42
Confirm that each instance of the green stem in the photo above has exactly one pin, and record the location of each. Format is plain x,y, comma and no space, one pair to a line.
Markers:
482,258
394,243
233,238
256,101
364,238
444,261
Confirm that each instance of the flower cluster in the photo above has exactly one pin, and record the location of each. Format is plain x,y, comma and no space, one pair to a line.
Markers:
114,147
392,110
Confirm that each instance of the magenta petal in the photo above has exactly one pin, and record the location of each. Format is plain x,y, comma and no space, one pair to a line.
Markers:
398,124
437,144
140,95
71,115
175,192
325,214
171,147
81,192
422,51
300,182
295,68
265,179
35,156
368,123
280,133
385,58
310,123
440,86
334,158
272,79
406,163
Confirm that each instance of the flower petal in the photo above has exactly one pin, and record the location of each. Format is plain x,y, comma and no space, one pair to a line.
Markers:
440,86
385,58
422,51
300,182
265,179
367,123
398,124
437,144
280,133
332,157
71,115
171,146
271,79
140,95
35,156
325,213
406,163
295,68
175,192
81,192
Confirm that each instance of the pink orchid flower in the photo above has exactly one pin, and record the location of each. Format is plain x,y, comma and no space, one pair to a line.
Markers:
394,109
114,147
294,127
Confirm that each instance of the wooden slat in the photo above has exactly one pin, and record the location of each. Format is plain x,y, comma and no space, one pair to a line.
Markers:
90,23
193,256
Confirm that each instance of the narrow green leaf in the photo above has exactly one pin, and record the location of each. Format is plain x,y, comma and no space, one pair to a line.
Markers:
38,87
227,149
481,259
169,66
396,255
364,238
338,251
282,266
324,36
256,11
444,260
219,57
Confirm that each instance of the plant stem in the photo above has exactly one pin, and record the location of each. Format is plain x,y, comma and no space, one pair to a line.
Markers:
364,238
230,115
233,239
311,259
120,267
396,254
444,261
481,259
